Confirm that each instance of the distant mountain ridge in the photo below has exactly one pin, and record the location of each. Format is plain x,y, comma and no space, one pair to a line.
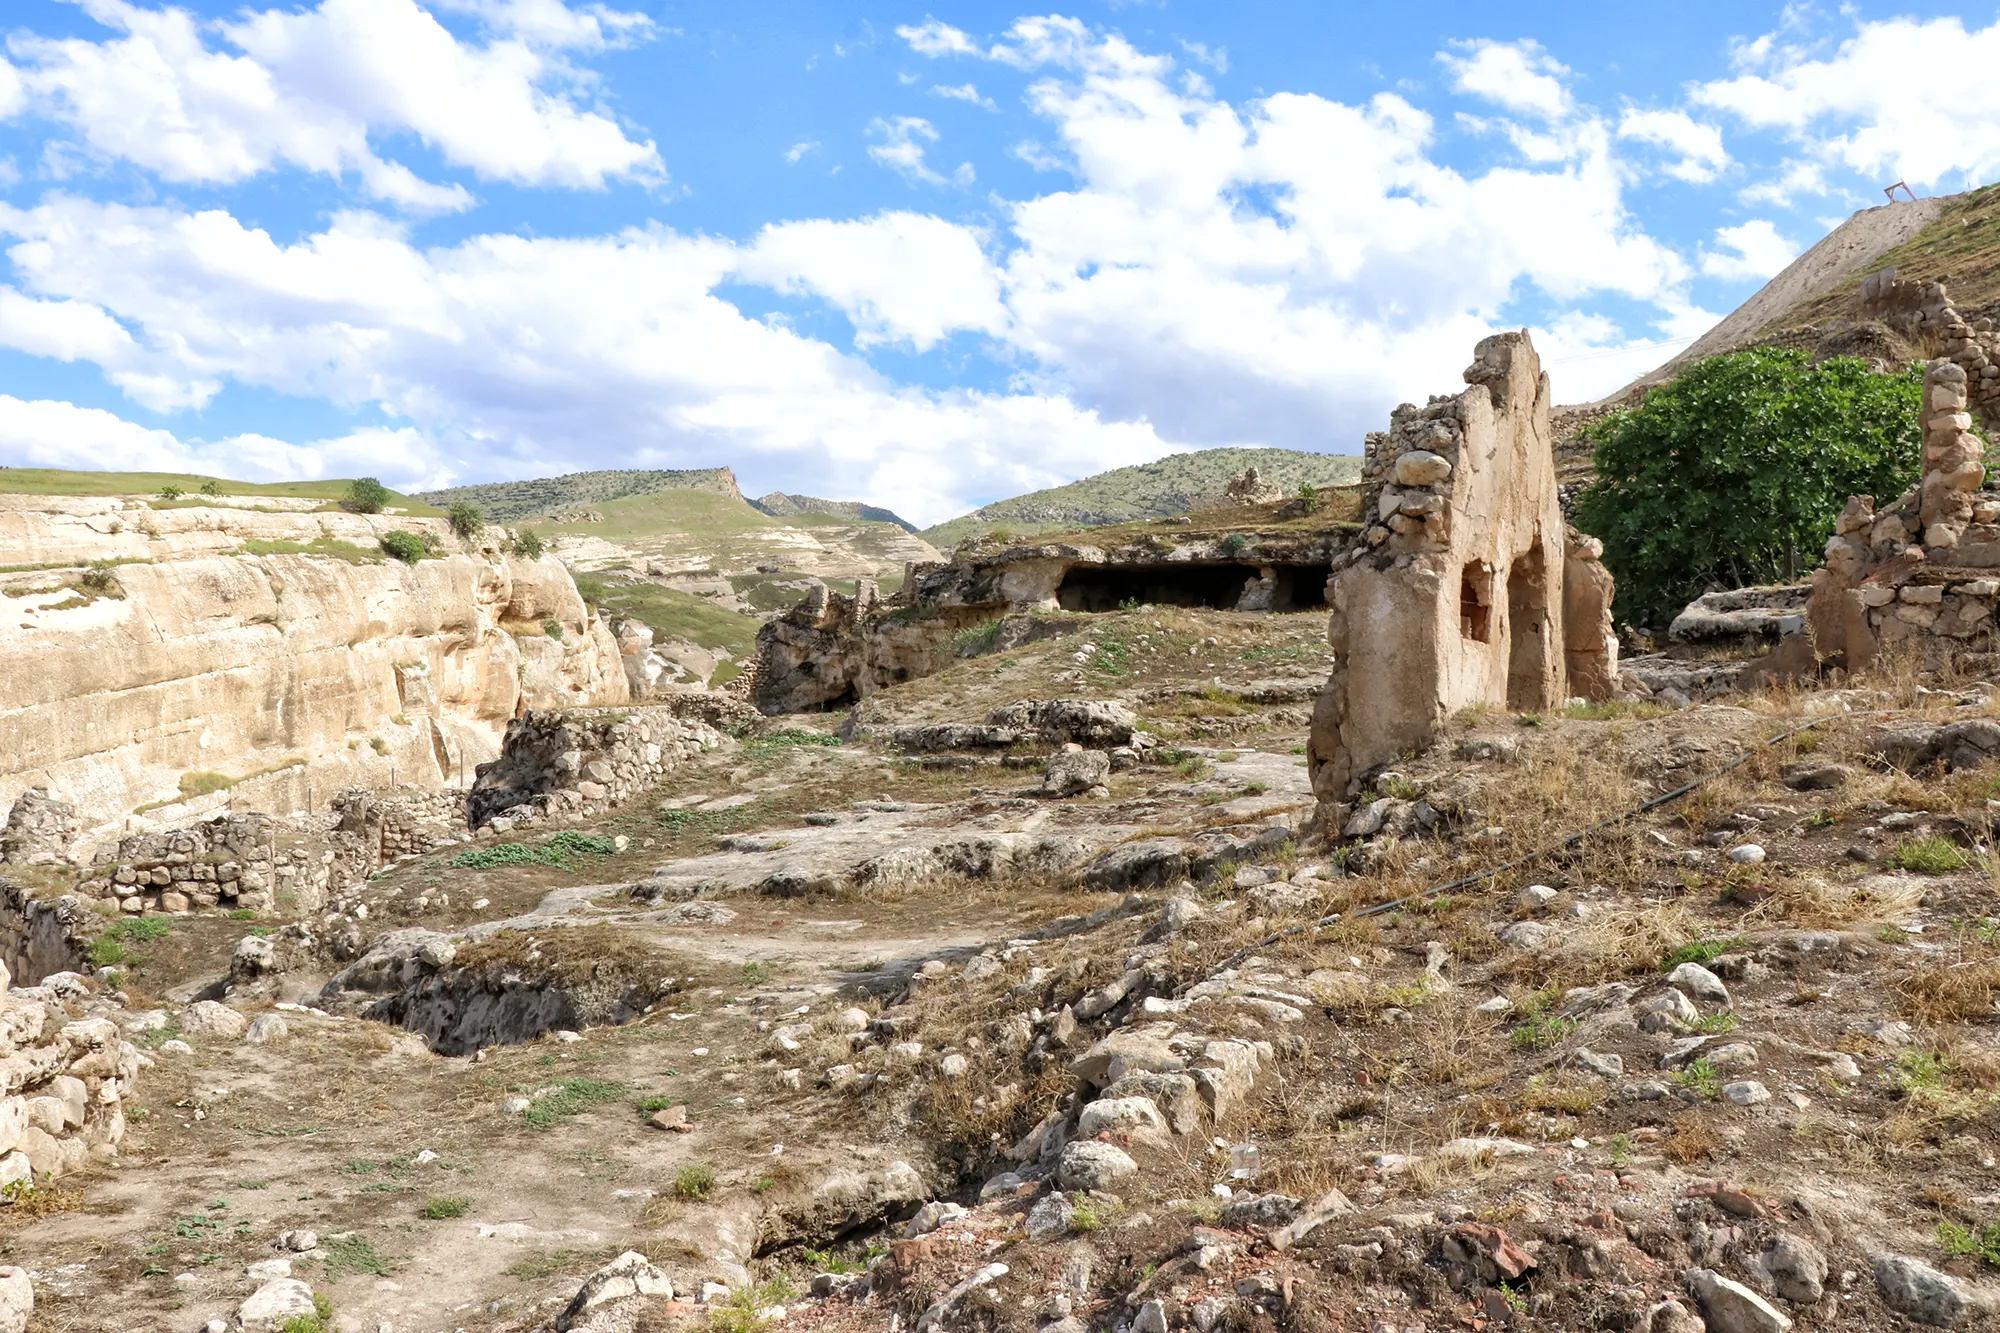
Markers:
1149,490
780,505
512,501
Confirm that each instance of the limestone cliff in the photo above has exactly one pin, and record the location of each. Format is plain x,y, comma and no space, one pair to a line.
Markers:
278,652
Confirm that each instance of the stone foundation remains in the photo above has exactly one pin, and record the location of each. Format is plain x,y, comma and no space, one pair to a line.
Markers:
254,862
42,936
1467,587
564,763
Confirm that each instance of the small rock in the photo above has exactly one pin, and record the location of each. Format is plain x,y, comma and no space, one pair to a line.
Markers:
1527,936
954,1065
1699,983
269,1270
933,1215
1050,1217
17,1299
673,1118
1747,1093
267,1028
1816,777
209,1020
299,1242
1090,1165
1535,897
1152,1318
851,1020
1499,1004
1749,854
630,1274
1672,1317
274,1305
1609,1065
1731,1307
515,1105
1796,1267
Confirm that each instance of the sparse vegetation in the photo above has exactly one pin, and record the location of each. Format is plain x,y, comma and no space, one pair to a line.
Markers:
525,544
438,1209
571,1097
467,520
563,850
695,1182
407,547
366,495
1929,856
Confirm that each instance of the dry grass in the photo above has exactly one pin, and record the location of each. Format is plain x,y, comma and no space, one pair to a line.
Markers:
1811,902
1694,1139
1962,991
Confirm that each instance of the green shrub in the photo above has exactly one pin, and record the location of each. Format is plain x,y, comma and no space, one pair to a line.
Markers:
351,1254
101,578
1235,544
467,519
1733,474
203,783
695,1181
1703,951
365,495
437,1210
570,1097
554,629
526,544
171,492
319,1321
562,851
211,487
407,547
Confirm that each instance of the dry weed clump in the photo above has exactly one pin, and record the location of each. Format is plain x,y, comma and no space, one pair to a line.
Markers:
1810,902
1694,1139
1962,991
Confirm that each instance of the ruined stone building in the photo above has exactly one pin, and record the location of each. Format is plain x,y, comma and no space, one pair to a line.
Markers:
1920,575
1467,587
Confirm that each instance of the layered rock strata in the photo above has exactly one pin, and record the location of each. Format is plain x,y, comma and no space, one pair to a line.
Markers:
237,659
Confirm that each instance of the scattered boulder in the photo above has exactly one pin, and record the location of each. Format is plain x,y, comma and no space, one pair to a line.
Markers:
209,1020
276,1304
1796,1268
1920,1293
17,1300
1090,1165
1954,744
1731,1307
630,1274
1076,772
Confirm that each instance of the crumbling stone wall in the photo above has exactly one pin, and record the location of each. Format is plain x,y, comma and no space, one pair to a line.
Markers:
1920,575
566,762
1464,588
40,830
42,936
63,1083
407,822
258,862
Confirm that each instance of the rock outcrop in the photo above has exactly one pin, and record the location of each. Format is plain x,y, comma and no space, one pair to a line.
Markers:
1465,588
264,660
63,1083
569,762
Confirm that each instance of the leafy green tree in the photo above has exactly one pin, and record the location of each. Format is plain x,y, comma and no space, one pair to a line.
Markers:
526,544
466,519
1733,474
366,495
407,547
171,492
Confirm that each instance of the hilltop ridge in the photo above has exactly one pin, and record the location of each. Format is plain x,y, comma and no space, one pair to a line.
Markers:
510,501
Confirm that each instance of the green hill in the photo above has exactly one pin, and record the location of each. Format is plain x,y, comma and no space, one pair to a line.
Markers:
62,481
1150,490
780,505
511,501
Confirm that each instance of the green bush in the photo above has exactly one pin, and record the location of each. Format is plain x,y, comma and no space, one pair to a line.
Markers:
1929,856
526,544
407,547
365,495
1733,474
171,492
211,487
695,1181
466,519
436,1210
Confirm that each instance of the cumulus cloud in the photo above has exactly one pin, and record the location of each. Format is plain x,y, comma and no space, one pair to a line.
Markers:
964,92
1698,147
1752,250
1519,76
1868,106
900,147
1272,272
311,89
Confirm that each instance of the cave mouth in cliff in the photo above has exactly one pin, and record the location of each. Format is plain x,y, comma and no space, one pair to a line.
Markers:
1219,587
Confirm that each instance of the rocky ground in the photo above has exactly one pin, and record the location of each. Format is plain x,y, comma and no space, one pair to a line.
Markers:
920,1019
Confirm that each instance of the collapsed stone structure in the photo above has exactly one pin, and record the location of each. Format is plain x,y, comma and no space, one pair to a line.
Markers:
564,763
68,1072
1467,587
1920,575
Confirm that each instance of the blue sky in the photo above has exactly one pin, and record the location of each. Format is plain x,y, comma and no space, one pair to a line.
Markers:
925,255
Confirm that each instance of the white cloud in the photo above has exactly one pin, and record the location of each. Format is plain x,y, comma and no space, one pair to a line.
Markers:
49,433
1698,146
964,92
799,150
554,25
1519,76
902,147
310,89
1276,272
1898,100
1215,57
933,38
1752,250
900,277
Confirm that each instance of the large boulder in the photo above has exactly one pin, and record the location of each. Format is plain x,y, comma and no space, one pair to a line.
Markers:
1075,772
1923,1295
1151,863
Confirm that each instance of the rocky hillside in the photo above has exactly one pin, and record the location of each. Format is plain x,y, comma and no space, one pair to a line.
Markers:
1020,1003
510,501
158,659
780,505
148,485
1150,490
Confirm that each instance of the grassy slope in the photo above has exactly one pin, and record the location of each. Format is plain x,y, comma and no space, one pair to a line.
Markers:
674,613
1150,490
695,516
510,501
58,481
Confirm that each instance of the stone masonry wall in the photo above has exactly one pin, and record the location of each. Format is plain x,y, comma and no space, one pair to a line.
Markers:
42,936
65,1073
258,862
563,763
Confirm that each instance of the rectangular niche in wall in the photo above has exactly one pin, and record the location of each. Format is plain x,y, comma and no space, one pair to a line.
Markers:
1475,601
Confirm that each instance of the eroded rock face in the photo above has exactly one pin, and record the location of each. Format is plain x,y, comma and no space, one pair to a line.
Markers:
1464,589
209,657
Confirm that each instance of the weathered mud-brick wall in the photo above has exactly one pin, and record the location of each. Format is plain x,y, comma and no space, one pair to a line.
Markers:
1462,590
563,763
234,861
64,1078
1918,576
